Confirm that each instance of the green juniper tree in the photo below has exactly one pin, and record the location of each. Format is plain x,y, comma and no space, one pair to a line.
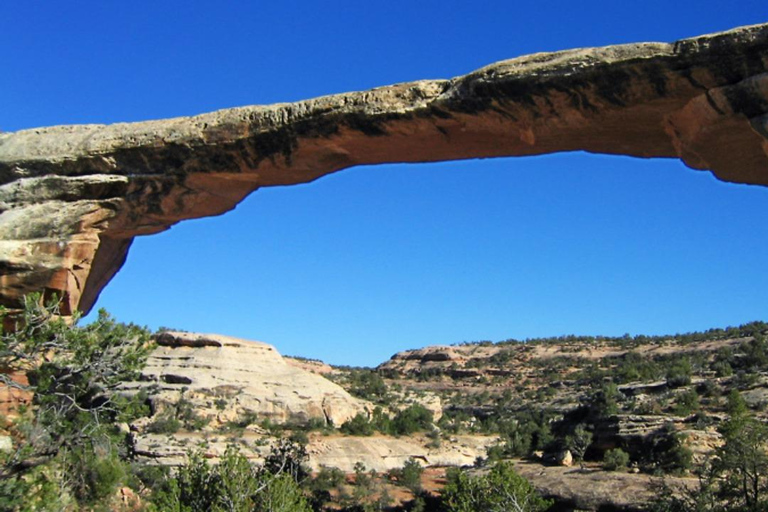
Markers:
68,436
233,485
736,480
500,490
742,460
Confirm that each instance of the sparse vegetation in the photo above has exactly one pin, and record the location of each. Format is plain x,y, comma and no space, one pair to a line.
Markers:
409,476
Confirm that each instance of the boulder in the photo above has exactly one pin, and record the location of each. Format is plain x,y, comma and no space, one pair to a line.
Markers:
564,458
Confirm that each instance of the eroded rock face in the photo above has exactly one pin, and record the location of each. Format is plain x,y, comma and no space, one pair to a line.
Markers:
227,378
73,197
384,453
380,453
592,489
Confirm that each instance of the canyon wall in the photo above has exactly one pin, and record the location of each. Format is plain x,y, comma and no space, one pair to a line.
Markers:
72,198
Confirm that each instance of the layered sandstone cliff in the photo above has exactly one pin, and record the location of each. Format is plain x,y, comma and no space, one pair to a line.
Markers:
72,198
224,379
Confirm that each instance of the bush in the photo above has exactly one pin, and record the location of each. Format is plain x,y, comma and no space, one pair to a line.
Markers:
579,442
736,477
177,415
409,476
326,480
290,458
679,374
369,493
232,485
164,424
299,437
239,424
381,421
411,419
722,369
665,452
605,401
500,489
687,403
357,426
434,439
368,385
615,459
94,476
68,442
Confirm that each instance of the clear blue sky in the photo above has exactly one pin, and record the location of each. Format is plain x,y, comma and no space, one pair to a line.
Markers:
366,262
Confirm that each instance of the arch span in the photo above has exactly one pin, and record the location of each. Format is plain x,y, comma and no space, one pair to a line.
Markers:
72,198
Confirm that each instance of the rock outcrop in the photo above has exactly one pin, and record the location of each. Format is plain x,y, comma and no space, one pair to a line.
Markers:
74,197
11,396
383,453
225,379
380,453
592,489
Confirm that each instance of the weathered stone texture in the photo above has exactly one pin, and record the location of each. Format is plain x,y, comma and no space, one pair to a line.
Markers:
227,378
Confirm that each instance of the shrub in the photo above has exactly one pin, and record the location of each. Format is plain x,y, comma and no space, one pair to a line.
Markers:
615,459
679,374
239,424
232,485
579,442
357,426
434,439
687,403
164,424
411,419
327,479
409,476
381,421
521,434
605,401
281,494
666,453
318,424
742,461
736,478
178,415
368,385
68,440
299,437
290,458
500,489
722,369
369,493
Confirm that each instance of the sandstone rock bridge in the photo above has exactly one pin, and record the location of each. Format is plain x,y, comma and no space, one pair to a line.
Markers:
72,198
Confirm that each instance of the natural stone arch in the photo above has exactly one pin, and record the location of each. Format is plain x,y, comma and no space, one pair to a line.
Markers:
72,198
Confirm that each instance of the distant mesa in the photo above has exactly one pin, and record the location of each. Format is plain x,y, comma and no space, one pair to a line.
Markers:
72,198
